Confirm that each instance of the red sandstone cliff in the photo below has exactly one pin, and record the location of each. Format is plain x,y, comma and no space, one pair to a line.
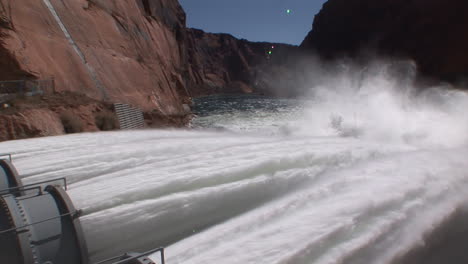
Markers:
431,32
126,51
112,51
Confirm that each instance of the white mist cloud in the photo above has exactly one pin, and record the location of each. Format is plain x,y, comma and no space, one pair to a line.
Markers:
380,102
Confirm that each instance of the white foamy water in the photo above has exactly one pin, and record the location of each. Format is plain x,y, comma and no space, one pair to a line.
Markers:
355,181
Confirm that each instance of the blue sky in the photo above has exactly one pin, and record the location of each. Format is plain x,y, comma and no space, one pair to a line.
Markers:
254,20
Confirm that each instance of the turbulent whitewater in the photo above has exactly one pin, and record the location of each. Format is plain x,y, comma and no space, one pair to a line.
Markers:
349,176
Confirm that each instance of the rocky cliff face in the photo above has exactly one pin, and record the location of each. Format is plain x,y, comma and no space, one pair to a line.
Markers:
113,51
125,51
431,32
220,63
54,115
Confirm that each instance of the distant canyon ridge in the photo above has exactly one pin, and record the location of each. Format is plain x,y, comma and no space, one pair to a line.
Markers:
141,53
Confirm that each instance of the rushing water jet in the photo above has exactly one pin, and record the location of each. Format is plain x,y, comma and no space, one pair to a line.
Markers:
278,182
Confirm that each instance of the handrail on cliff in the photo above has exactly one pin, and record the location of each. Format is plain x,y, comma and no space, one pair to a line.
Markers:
27,87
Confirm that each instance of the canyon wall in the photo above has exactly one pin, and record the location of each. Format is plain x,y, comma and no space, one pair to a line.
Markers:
221,63
125,51
98,51
430,32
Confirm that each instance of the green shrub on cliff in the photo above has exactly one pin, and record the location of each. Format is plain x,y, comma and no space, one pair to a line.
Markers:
106,121
71,122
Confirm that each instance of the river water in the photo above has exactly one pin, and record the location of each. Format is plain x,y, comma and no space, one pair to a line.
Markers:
367,177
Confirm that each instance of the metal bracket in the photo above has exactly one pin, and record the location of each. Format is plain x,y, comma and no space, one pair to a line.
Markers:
6,155
127,260
39,222
30,186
